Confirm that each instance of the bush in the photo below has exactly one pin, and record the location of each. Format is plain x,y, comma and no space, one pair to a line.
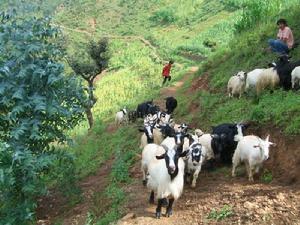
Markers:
38,104
164,16
223,213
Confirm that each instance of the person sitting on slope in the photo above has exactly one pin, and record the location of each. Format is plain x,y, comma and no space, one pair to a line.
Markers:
285,38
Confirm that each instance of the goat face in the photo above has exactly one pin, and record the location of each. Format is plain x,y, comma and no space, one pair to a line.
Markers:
242,75
148,129
183,128
264,147
124,111
218,141
179,138
196,153
171,157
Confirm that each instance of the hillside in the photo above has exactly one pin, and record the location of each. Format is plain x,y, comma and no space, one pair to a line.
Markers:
217,37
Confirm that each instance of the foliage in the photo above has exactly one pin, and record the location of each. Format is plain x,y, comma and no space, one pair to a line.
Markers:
267,176
164,16
254,12
98,53
223,213
119,174
38,104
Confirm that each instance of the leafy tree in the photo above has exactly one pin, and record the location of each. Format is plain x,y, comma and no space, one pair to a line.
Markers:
90,69
38,103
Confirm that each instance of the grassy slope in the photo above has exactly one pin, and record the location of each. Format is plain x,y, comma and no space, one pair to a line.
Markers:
132,59
187,30
137,73
246,53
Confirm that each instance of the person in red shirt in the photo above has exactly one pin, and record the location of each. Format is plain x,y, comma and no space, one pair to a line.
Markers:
166,71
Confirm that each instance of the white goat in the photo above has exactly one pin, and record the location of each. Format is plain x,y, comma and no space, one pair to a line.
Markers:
252,78
205,140
121,117
295,76
236,84
195,159
252,151
148,133
166,178
267,78
148,154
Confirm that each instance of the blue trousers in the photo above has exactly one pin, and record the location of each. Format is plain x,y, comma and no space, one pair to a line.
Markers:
278,46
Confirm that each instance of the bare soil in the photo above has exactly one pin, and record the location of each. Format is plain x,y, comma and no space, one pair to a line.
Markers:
250,203
54,207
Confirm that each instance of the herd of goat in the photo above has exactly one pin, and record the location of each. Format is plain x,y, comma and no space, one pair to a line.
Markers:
283,73
173,155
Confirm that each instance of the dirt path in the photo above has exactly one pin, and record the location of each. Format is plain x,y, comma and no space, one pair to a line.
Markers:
244,202
248,203
172,90
55,207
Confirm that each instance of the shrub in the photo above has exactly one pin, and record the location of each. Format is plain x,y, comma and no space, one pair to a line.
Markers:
225,212
164,16
38,104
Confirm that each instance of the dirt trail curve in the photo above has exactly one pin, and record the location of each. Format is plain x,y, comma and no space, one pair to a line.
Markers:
123,37
246,202
54,206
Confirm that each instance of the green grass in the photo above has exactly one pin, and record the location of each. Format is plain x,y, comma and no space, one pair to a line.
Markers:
225,212
266,176
280,108
174,28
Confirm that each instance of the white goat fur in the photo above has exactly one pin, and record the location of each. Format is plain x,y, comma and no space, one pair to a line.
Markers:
157,138
148,154
121,117
267,79
295,76
236,84
252,78
205,140
190,167
160,181
252,151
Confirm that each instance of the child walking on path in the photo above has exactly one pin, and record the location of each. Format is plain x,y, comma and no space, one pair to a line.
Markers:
166,72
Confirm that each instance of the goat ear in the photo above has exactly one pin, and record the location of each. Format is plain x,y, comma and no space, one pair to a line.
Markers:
273,144
183,154
158,157
214,136
141,130
223,136
246,125
267,138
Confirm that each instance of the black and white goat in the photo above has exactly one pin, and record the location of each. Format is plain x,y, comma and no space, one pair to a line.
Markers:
195,159
121,117
165,175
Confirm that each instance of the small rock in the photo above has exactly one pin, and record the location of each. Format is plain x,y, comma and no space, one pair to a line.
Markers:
129,216
250,205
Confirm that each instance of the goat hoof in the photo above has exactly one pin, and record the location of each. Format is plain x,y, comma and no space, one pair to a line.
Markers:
169,213
144,182
165,202
157,215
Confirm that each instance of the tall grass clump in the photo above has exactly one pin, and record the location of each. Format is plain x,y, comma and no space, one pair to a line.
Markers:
254,12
